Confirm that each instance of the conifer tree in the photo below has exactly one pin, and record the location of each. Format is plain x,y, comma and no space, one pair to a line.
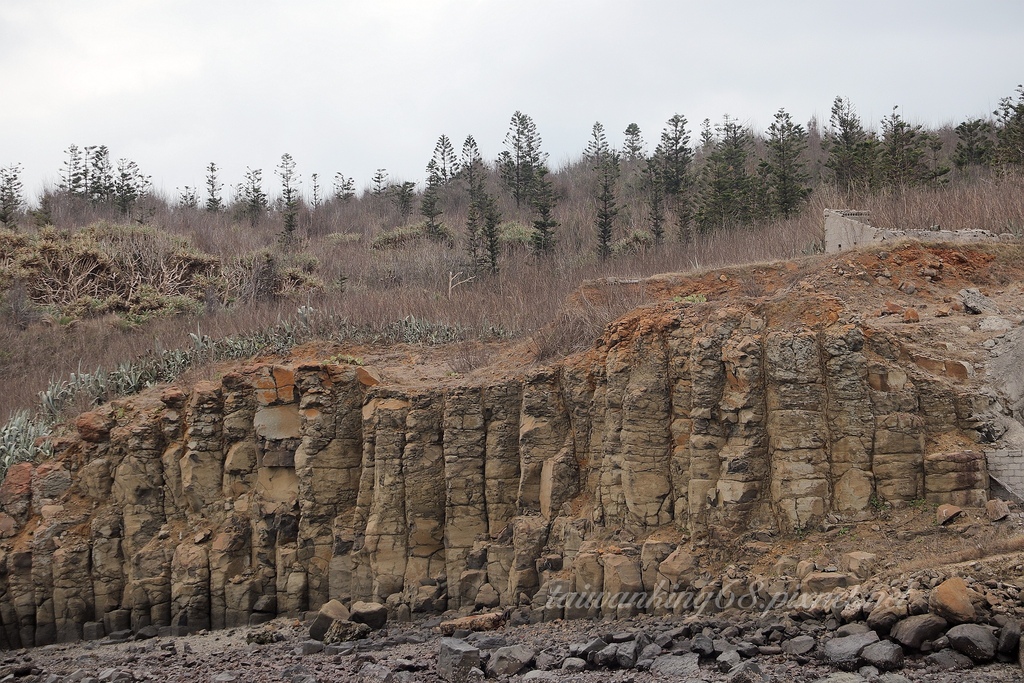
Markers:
608,173
129,186
344,187
380,182
188,197
403,194
597,150
11,198
214,202
974,145
446,165
73,176
1010,130
429,204
472,173
851,150
518,164
725,183
543,202
673,157
317,199
654,190
491,221
99,181
289,195
254,199
633,148
902,156
784,167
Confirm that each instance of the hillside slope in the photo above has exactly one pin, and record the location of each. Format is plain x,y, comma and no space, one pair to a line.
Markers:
733,414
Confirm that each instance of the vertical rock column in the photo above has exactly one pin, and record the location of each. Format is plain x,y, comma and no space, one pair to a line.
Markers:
386,531
850,420
679,342
744,457
423,461
646,437
203,461
502,404
72,589
466,506
796,424
707,382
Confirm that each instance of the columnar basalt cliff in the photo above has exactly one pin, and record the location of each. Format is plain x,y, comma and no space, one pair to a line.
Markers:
282,486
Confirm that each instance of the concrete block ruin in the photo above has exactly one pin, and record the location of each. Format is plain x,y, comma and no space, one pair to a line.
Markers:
848,229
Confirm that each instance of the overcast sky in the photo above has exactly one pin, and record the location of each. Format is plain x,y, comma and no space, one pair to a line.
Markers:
355,86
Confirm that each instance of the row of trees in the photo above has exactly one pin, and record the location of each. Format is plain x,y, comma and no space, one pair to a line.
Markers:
729,177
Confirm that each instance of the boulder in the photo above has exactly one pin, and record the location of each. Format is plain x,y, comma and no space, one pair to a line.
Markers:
800,645
858,563
974,640
456,659
475,622
845,653
330,612
884,655
997,509
373,614
509,660
913,631
975,302
344,631
951,600
1009,636
947,660
673,667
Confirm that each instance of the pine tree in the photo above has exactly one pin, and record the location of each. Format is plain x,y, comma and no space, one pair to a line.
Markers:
254,199
974,145
784,167
1010,130
344,187
188,197
289,195
472,173
543,203
597,151
673,157
429,204
214,202
317,199
446,166
380,182
608,173
851,149
655,192
491,221
99,181
725,183
129,186
633,149
73,176
518,164
402,194
11,198
902,160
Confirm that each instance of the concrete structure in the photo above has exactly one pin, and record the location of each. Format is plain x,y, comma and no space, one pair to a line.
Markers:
846,229
1007,467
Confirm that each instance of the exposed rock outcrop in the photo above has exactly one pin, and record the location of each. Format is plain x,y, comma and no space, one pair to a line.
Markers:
279,488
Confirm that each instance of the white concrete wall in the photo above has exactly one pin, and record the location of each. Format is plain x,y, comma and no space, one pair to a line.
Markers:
1008,467
852,229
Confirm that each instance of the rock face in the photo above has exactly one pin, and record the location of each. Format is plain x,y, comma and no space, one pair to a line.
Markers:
281,487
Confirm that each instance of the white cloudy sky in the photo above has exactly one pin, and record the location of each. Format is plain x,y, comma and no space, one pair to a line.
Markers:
352,86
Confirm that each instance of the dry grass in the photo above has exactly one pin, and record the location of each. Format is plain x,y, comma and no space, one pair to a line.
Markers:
373,288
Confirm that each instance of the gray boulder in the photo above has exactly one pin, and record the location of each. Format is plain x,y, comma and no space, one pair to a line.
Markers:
913,631
844,653
884,655
509,660
456,660
974,640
